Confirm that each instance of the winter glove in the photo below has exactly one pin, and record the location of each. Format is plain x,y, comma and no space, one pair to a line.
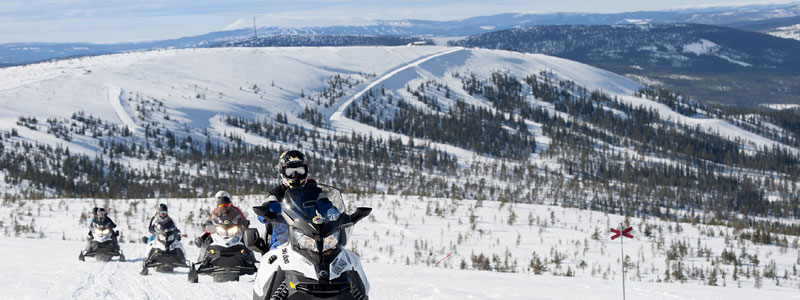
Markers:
274,206
332,214
262,220
198,241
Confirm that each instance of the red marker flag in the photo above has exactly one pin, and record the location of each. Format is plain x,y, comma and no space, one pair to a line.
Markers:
616,234
625,232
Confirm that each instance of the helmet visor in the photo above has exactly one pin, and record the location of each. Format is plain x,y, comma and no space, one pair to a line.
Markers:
162,213
294,171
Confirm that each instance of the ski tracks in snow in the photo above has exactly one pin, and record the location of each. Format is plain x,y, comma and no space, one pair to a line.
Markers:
121,280
115,99
337,115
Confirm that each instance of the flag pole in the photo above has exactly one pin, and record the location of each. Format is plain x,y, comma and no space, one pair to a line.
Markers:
622,257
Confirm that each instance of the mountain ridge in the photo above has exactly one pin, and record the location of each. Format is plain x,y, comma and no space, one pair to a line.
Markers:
711,63
740,17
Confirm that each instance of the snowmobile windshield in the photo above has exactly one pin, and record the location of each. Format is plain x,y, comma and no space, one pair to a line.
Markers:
167,234
301,203
308,228
335,195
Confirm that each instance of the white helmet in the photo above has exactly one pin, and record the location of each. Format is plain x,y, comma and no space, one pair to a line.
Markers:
222,198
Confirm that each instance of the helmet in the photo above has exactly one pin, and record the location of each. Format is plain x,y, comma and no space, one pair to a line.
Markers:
101,212
294,169
162,210
223,198
94,211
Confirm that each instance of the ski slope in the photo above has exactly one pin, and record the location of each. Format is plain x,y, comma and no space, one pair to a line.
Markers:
114,98
337,115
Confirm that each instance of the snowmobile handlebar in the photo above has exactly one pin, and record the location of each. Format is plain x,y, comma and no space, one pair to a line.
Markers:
275,218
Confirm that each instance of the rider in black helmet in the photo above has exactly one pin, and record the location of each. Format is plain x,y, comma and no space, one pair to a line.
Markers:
294,175
161,217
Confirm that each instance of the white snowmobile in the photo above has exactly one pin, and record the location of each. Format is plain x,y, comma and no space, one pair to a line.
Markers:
313,264
224,255
165,252
102,246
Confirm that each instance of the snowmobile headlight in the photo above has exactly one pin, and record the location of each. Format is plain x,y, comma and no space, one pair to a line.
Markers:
98,232
222,231
233,230
330,241
304,242
162,237
105,231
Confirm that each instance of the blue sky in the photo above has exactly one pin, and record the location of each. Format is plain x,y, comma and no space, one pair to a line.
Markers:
104,21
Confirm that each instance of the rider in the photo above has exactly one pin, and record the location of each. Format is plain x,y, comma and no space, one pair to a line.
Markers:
101,220
161,218
294,175
224,208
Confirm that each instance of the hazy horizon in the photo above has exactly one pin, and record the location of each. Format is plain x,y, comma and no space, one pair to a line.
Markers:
114,21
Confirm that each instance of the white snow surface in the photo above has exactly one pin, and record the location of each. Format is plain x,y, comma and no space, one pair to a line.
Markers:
706,47
787,32
781,106
700,47
44,265
115,99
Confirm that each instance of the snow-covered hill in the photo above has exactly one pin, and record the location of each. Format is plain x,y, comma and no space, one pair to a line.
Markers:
151,111
195,87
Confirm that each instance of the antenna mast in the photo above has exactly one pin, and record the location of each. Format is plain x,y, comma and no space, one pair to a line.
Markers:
255,33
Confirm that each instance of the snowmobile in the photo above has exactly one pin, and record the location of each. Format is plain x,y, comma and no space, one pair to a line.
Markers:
165,252
223,256
313,264
103,245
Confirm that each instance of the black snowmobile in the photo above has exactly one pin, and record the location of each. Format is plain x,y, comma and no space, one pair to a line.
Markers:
223,255
314,263
103,245
165,252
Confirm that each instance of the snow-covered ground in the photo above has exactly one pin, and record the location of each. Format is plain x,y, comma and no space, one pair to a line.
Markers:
399,245
49,269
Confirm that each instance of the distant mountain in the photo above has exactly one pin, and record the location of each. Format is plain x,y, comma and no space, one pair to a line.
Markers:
764,18
764,25
708,62
24,53
308,40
